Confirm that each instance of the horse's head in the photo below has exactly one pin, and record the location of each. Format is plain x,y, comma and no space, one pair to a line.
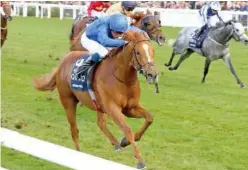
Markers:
239,32
6,10
142,58
150,24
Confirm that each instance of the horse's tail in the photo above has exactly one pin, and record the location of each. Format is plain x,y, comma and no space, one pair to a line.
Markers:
46,82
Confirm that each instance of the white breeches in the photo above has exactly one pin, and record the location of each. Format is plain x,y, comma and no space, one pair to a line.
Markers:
201,20
93,46
98,14
2,11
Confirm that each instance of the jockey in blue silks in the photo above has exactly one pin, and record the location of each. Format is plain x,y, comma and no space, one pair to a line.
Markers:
104,34
207,12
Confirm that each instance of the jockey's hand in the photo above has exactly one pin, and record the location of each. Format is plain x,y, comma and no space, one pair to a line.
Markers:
10,18
145,33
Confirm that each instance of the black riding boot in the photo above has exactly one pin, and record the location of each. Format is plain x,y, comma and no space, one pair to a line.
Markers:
93,58
200,31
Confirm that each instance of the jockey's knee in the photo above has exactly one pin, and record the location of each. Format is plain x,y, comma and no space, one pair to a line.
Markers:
103,52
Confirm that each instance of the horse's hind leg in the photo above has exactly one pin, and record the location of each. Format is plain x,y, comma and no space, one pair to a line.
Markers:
228,62
182,58
138,112
101,122
69,103
206,68
171,59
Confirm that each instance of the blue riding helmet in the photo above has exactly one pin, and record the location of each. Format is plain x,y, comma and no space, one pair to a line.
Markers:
129,4
118,23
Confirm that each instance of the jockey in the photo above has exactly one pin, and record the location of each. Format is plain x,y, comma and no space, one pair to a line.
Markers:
104,33
2,12
207,12
2,6
123,7
98,8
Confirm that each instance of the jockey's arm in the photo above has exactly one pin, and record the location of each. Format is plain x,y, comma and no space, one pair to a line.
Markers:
205,15
106,41
89,10
220,18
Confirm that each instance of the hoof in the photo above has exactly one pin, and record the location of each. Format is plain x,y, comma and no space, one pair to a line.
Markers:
242,85
171,68
117,147
141,165
124,142
166,65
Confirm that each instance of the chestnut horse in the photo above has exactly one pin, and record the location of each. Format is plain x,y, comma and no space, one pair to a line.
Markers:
147,22
116,87
5,15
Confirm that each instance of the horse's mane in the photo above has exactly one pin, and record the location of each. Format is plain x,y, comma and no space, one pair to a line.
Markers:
129,36
138,15
224,24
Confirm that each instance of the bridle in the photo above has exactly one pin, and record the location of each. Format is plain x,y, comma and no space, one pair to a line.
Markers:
153,29
142,69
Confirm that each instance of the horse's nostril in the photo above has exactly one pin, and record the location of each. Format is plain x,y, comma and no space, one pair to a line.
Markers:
161,38
149,75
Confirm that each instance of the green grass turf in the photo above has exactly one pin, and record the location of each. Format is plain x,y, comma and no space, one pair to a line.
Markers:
196,126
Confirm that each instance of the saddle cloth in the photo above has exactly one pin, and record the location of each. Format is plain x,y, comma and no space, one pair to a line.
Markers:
196,42
80,79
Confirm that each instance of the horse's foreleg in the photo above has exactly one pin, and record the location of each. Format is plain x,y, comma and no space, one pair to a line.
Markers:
138,112
206,68
228,62
171,59
182,58
101,122
69,104
115,113
2,42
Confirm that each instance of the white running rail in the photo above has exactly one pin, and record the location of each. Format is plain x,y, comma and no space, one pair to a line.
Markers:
55,153
169,17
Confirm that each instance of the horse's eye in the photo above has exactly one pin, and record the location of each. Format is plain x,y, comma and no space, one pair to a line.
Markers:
237,30
137,53
147,24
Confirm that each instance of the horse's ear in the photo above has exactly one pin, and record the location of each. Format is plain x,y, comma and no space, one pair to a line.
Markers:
148,11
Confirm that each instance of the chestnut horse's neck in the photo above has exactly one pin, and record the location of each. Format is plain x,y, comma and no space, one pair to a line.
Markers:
124,71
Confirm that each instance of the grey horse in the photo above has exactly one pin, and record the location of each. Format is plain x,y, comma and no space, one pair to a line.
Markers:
215,46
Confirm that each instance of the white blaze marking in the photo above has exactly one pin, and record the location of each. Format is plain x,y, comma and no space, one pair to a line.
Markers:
145,46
